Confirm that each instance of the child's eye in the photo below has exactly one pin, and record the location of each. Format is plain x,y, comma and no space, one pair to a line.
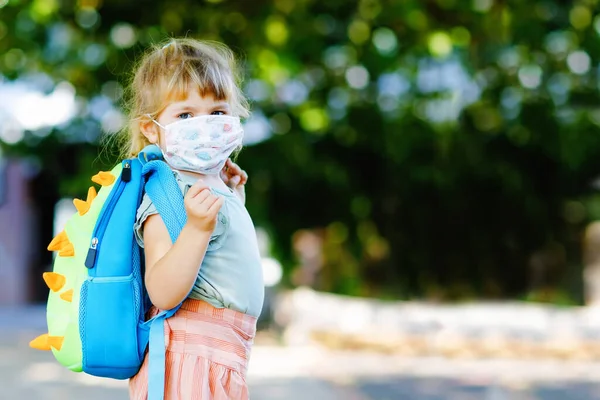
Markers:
218,112
184,115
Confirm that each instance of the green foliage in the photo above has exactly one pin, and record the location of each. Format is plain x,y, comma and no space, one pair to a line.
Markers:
436,145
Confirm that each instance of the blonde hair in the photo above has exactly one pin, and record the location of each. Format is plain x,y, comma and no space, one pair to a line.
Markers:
165,73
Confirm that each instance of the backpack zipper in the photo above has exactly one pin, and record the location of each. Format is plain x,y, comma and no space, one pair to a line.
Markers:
90,259
126,173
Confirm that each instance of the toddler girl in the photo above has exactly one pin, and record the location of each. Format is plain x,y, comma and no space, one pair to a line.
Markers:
186,101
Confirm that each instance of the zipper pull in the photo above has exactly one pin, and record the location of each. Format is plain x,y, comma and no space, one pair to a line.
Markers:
90,260
126,173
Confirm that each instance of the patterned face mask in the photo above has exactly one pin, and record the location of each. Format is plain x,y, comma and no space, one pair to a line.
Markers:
201,144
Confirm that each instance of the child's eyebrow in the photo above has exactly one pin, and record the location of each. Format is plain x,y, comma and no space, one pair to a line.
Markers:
183,107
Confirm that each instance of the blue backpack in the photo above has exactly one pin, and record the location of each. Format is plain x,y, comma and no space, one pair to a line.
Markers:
97,304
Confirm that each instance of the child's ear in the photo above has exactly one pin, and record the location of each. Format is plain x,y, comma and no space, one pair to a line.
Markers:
150,130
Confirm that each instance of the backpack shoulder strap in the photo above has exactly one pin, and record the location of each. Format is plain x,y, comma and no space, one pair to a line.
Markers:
164,192
166,196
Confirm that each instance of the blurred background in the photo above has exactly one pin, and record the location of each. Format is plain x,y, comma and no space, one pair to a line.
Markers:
424,179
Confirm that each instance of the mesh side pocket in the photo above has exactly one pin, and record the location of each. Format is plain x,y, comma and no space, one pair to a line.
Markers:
82,317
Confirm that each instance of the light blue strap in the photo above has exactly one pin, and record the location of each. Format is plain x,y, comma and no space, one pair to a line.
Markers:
164,192
156,356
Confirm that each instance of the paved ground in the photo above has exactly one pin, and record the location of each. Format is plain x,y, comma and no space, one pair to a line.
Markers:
309,373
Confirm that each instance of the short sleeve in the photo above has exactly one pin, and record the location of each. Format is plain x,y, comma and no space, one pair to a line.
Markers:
145,210
221,229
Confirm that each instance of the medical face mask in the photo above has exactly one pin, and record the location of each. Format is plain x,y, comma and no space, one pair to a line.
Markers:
201,144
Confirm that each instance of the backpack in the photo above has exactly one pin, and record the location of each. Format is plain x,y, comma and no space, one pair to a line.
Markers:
97,301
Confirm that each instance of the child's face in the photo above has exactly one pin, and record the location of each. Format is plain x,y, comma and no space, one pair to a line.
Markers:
193,106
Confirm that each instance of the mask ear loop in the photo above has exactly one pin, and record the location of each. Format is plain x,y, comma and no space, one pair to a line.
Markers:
155,121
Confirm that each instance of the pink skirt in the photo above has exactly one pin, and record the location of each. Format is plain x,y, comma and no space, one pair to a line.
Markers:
207,354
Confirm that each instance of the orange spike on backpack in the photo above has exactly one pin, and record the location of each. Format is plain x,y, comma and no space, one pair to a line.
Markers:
54,281
46,342
103,178
59,242
56,341
67,296
62,244
84,206
40,343
67,251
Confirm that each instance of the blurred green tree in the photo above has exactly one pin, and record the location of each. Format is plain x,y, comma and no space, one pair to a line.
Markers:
443,148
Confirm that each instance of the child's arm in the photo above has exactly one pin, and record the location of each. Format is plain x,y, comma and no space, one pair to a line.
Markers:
171,269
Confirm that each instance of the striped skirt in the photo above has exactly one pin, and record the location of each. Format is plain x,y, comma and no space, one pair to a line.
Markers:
207,354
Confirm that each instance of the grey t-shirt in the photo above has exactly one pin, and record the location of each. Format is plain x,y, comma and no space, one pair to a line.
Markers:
230,275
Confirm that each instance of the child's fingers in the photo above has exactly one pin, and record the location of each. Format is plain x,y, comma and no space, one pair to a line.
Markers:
200,197
224,176
201,210
234,181
235,176
216,206
208,200
243,178
196,188
230,168
204,209
233,169
225,167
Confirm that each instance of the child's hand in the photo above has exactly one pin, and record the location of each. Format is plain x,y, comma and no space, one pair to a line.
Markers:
202,207
235,178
